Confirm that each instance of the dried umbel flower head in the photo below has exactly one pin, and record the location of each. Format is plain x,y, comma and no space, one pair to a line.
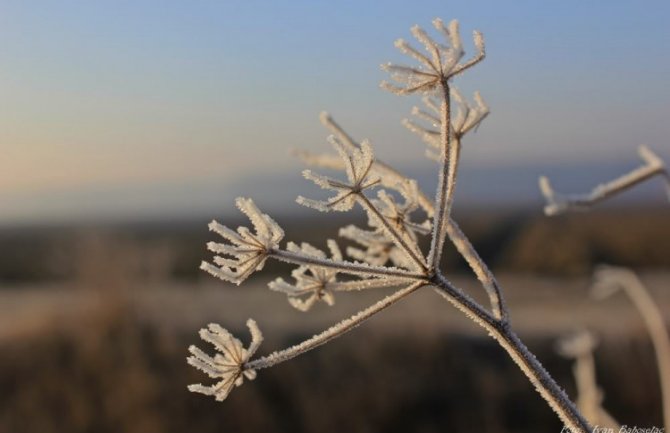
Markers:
468,118
436,68
228,364
357,164
312,283
248,250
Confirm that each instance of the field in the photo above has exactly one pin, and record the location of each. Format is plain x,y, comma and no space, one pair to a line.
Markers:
94,326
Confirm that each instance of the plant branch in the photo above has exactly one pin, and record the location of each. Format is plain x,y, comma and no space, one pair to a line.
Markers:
358,285
397,238
652,166
344,266
484,275
527,362
333,332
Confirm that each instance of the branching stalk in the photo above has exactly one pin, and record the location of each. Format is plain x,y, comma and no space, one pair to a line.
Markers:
413,253
484,275
527,362
245,251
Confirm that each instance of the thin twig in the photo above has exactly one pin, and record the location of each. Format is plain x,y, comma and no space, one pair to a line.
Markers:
333,332
344,266
652,166
484,275
527,362
413,253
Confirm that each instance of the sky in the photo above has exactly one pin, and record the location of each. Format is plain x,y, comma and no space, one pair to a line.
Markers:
140,107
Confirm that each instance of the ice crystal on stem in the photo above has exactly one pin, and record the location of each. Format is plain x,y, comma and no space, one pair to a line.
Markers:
228,364
249,250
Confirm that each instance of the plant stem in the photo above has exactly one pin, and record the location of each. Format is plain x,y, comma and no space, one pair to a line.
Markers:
527,362
442,196
334,331
484,275
397,237
346,267
655,323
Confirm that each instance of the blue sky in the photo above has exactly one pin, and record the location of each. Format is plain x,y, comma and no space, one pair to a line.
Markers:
135,95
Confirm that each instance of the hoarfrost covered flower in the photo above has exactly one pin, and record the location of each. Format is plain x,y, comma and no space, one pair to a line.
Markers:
399,214
436,68
468,117
357,164
228,364
313,283
379,249
249,250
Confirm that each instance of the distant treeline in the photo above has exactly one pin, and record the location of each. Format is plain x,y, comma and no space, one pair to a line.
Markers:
515,241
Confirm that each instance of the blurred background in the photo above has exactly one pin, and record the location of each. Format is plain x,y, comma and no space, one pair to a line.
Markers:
126,126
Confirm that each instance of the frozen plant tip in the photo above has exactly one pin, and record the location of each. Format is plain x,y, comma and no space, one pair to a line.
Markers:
439,65
357,163
468,118
559,203
229,363
248,251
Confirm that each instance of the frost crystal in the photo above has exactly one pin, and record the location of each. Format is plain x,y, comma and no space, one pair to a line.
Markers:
249,251
357,164
313,283
228,364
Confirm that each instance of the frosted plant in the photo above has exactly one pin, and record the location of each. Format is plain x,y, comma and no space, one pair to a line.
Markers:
388,253
229,365
652,166
609,280
580,347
